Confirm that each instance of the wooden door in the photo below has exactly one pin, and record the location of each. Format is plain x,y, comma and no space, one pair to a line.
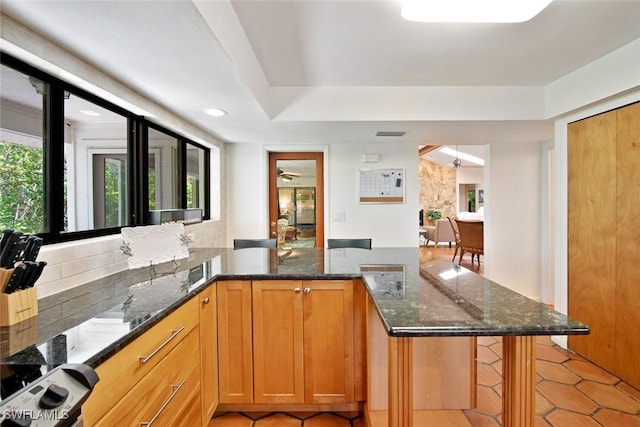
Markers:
328,341
208,353
592,235
319,191
627,248
235,365
277,341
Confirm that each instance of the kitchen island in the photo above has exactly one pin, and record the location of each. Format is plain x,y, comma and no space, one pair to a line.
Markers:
409,301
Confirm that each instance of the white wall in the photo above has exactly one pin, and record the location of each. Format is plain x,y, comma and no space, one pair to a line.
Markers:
388,225
512,217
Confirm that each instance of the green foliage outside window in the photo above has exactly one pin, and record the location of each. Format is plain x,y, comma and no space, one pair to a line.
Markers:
21,188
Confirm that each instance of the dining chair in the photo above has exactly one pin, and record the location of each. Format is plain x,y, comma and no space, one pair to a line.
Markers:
456,234
254,243
471,238
349,243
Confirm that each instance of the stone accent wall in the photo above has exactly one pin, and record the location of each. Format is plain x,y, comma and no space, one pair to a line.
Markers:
437,188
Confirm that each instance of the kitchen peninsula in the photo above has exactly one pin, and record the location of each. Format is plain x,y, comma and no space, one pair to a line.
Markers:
406,304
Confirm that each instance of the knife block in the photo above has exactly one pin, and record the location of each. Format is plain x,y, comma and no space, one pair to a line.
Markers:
16,306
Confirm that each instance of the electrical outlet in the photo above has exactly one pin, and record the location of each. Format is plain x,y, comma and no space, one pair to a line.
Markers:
338,217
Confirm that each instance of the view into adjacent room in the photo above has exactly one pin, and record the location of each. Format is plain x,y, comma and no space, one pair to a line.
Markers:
296,207
451,183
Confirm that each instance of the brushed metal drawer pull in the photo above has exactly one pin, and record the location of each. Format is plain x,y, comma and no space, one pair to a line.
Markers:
176,389
174,333
205,300
307,291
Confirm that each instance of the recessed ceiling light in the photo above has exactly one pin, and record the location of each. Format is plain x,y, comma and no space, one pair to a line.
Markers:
215,112
498,11
90,113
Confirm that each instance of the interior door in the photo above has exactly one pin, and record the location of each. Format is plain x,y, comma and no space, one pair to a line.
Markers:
276,178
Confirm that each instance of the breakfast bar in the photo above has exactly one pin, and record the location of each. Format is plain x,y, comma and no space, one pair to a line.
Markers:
411,304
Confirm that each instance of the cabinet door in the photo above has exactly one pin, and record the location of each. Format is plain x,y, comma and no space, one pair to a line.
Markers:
235,368
208,353
277,342
328,341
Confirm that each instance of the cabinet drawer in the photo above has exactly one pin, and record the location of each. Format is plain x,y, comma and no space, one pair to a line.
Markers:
127,367
159,398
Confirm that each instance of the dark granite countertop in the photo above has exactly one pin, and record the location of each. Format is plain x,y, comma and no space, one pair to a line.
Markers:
89,323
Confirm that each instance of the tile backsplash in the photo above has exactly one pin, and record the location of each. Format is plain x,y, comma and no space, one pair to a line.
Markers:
74,263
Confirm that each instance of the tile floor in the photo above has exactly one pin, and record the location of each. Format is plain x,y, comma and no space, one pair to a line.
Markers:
570,392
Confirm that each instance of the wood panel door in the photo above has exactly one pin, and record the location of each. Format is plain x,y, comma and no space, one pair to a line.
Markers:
592,235
604,195
235,365
627,249
278,341
208,353
328,341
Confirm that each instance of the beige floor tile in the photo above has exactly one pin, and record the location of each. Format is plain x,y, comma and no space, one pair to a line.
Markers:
609,397
480,420
230,420
542,404
486,341
487,375
611,418
562,418
592,372
552,354
631,391
326,420
556,372
489,403
278,420
566,397
485,355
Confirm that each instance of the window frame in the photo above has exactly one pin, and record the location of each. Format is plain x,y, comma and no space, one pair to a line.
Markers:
137,158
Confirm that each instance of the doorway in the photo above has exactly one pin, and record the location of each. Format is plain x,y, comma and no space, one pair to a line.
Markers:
296,198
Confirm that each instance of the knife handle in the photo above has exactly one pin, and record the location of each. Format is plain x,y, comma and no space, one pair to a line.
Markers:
15,279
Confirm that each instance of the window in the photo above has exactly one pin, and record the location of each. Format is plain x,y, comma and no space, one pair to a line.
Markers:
164,187
196,179
73,165
22,165
96,177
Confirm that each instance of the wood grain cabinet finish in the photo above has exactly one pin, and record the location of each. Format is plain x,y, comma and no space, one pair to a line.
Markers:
286,342
122,372
208,353
603,236
235,363
303,341
160,397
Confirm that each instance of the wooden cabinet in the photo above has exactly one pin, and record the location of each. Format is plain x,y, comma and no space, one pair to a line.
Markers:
163,365
159,397
235,365
292,340
303,344
208,353
603,200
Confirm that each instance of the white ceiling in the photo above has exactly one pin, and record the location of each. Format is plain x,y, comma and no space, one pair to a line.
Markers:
319,72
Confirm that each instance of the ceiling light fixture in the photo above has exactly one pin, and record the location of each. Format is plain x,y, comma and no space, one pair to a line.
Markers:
457,162
90,113
463,156
215,112
496,11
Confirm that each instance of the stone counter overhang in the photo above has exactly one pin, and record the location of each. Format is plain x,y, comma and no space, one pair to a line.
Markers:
413,299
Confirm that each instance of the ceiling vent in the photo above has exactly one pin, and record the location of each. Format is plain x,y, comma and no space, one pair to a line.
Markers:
387,133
